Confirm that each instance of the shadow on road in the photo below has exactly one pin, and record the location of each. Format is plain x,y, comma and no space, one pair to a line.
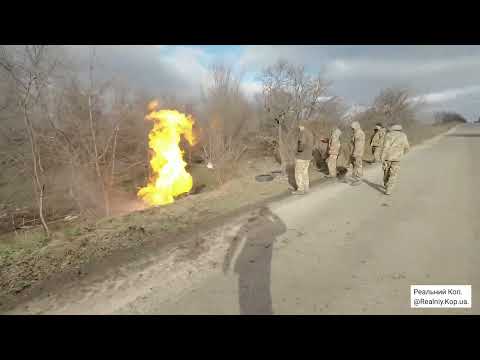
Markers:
291,175
319,162
377,187
254,262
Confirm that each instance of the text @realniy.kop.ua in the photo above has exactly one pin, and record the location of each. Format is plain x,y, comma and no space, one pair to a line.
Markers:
441,296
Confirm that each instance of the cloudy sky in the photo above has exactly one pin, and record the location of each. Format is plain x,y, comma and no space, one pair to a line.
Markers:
447,77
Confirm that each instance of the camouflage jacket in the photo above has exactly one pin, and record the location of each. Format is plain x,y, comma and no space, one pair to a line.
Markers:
358,143
395,146
305,145
334,143
378,138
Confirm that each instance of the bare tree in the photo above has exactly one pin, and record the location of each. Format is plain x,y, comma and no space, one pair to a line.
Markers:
330,113
225,114
291,95
84,138
30,68
397,105
92,95
445,117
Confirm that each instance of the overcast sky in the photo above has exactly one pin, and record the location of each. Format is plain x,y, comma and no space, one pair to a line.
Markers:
448,77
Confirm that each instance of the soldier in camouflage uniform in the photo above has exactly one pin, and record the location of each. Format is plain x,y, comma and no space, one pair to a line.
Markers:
333,151
358,144
377,142
303,157
394,147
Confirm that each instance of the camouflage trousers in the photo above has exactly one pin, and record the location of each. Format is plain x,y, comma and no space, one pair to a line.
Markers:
390,174
332,165
377,152
357,163
301,175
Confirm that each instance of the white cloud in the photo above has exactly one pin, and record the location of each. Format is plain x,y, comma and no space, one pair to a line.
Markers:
188,63
251,88
447,95
398,68
256,57
158,69
353,110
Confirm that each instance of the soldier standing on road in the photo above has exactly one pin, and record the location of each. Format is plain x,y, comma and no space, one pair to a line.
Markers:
358,143
303,157
333,151
395,146
377,141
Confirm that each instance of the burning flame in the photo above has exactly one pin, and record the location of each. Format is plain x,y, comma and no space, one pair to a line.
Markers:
170,178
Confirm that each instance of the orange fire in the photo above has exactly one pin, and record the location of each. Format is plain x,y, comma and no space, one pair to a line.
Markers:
170,178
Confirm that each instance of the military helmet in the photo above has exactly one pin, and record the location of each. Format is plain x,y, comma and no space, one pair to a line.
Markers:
396,127
355,125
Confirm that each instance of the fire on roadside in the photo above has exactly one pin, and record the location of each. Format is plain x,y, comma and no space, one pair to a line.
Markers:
170,177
